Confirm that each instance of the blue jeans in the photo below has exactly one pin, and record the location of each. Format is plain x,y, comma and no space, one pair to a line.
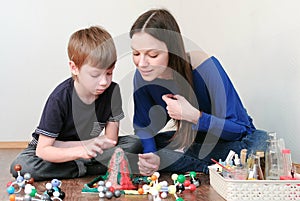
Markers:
198,156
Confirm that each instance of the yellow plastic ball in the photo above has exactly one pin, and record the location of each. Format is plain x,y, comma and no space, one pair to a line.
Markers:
172,189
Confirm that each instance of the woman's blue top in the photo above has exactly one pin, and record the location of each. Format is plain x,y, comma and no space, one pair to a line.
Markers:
223,113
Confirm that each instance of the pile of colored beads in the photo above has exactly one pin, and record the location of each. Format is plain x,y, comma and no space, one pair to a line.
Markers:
20,181
106,190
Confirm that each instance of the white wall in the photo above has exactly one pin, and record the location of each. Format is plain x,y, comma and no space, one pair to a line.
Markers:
257,41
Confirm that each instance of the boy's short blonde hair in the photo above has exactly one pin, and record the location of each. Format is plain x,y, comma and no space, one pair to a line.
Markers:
93,46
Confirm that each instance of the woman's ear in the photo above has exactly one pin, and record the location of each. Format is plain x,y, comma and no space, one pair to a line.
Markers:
74,69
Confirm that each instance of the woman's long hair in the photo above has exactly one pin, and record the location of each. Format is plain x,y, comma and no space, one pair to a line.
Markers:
160,24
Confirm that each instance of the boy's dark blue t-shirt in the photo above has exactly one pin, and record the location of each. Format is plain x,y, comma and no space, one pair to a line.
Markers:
66,118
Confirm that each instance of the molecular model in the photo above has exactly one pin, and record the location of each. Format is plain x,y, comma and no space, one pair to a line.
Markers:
30,195
20,181
53,191
160,190
106,190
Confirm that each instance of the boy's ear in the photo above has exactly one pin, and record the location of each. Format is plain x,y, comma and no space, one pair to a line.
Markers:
74,69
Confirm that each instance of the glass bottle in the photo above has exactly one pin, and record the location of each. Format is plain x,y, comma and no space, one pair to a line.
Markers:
273,159
287,164
261,155
255,172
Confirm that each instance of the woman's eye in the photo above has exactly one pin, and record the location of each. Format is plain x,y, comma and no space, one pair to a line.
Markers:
153,55
135,54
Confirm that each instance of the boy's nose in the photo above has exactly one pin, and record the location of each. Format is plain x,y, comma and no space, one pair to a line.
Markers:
103,80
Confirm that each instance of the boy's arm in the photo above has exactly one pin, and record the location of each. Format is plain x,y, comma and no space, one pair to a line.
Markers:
57,151
47,151
112,131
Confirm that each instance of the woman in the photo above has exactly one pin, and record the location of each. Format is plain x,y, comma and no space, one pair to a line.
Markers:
194,90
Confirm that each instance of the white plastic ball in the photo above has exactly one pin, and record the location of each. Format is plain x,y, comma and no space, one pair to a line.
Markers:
163,195
48,186
108,184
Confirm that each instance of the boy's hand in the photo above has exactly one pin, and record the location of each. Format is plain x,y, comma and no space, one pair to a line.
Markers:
148,163
97,145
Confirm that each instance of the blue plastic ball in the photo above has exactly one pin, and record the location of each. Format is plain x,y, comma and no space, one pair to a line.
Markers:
10,190
20,179
55,183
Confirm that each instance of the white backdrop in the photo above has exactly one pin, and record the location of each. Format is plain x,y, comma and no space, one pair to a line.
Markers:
257,41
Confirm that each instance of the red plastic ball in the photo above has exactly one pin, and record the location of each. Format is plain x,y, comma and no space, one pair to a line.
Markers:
9,184
192,187
30,181
18,167
112,189
186,183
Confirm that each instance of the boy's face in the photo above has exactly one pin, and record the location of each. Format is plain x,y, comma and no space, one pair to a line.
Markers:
94,81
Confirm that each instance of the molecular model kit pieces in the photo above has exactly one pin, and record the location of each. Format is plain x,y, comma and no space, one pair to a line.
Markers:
53,190
160,190
106,190
20,181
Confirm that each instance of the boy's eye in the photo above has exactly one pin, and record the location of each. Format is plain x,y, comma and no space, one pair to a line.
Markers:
94,75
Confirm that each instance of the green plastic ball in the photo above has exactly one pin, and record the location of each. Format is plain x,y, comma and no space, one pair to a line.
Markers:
181,178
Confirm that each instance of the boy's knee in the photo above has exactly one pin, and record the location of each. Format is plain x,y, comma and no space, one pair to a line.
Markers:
22,166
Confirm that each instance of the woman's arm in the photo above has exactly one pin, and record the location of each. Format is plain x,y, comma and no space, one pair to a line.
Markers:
227,117
223,115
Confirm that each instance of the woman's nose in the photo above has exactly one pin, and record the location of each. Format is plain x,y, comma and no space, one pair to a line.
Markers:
143,61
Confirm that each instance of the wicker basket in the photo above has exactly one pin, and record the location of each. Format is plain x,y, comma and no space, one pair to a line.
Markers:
254,189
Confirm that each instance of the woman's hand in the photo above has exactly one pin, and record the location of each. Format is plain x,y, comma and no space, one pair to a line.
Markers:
180,109
148,163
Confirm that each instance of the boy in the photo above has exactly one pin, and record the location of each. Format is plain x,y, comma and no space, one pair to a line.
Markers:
67,143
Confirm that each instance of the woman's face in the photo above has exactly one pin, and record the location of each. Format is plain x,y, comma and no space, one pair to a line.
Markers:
150,57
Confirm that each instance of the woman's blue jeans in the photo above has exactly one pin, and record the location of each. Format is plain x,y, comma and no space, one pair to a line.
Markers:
198,156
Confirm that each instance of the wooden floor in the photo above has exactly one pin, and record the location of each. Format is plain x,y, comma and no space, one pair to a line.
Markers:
73,187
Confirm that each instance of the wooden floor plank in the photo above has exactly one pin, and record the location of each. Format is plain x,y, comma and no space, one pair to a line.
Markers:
13,145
